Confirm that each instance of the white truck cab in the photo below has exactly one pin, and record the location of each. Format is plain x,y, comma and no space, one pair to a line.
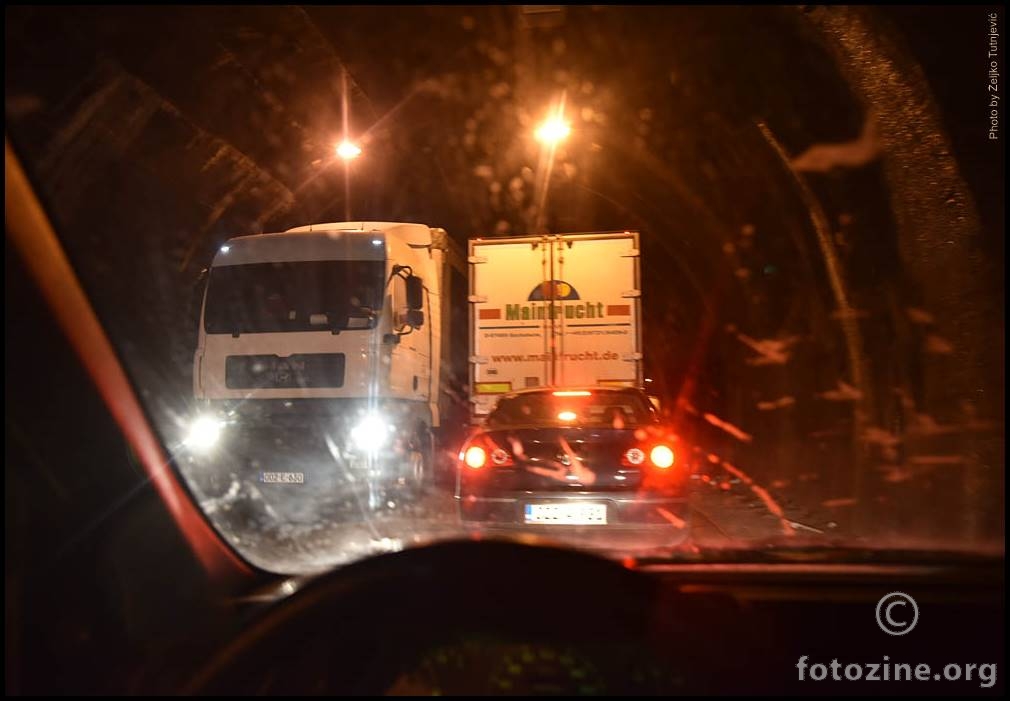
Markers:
338,325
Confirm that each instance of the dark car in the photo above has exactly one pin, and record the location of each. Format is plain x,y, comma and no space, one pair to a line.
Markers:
576,457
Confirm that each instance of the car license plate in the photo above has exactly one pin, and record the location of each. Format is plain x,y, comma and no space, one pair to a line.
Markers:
282,477
576,514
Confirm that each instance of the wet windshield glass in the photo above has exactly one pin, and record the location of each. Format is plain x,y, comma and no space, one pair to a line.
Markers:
796,247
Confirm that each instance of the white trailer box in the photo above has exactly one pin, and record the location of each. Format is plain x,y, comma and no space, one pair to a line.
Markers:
558,310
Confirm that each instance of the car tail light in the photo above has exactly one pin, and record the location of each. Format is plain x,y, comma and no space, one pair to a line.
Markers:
475,457
659,456
662,456
634,456
482,450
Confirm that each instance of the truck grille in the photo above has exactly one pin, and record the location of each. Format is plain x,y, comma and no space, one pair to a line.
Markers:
273,372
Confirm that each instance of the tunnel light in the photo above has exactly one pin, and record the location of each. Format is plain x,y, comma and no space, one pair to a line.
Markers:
553,130
348,151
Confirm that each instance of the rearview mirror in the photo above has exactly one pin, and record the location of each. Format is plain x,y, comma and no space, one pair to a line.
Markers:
415,293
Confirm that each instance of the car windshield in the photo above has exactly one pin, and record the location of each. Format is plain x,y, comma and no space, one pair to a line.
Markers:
572,408
785,224
298,296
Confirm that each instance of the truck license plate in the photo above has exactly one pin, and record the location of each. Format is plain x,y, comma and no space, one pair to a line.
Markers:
282,477
576,514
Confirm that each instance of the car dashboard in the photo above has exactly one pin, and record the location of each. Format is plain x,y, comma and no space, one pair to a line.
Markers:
486,666
498,619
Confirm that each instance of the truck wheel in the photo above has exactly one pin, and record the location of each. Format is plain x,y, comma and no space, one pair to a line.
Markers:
420,461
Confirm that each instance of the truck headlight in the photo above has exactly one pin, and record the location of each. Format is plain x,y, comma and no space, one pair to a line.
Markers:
371,433
204,433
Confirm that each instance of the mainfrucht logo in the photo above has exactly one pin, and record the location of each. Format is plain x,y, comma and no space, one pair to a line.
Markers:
562,291
569,305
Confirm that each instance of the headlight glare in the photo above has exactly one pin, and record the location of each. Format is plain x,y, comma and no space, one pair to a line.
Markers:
371,433
204,433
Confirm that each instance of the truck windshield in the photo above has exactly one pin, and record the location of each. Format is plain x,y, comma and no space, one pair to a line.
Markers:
597,409
293,296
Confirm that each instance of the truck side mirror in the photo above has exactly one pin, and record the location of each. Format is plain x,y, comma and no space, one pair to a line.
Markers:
415,294
415,317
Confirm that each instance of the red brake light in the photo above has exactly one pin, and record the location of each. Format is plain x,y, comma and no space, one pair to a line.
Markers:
659,456
481,450
662,456
475,457
634,456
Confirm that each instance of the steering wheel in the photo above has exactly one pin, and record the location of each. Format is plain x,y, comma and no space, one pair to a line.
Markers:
353,630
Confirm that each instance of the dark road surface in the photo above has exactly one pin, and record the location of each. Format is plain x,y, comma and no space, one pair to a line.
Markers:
297,531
